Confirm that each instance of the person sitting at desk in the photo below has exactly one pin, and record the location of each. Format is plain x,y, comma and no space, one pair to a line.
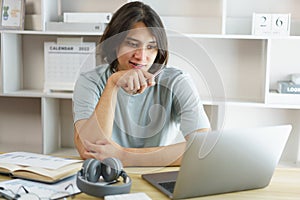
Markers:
121,110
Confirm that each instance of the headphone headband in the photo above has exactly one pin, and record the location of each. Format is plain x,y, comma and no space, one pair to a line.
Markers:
94,188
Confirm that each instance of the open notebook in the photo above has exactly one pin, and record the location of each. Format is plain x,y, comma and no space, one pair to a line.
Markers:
38,167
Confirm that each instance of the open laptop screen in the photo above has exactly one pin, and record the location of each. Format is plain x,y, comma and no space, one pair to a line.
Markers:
225,161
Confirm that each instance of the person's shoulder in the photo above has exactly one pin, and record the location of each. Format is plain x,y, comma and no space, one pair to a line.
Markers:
171,73
172,69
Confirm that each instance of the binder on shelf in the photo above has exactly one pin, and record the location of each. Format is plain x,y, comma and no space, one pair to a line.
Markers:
87,17
64,62
75,27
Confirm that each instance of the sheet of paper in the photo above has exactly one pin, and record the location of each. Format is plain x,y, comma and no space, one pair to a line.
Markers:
35,160
42,190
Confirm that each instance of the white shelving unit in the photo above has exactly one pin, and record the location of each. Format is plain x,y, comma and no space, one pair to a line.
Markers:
235,72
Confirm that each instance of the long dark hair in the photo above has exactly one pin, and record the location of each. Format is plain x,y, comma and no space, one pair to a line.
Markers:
122,21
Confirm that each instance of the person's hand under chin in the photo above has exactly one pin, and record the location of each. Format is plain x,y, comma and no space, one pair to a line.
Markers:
134,81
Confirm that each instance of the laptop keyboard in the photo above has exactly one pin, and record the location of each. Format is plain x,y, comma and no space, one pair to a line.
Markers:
168,185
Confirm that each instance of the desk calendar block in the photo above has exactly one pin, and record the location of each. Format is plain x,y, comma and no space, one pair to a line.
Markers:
281,24
271,24
261,24
64,62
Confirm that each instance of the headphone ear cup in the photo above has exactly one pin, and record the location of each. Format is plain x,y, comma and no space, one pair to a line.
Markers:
111,169
92,170
84,168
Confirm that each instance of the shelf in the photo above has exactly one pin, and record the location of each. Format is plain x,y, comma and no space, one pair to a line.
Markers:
170,33
283,100
38,94
29,32
59,95
24,93
209,39
227,36
248,104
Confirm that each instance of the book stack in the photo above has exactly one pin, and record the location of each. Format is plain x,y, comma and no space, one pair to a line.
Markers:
291,86
81,21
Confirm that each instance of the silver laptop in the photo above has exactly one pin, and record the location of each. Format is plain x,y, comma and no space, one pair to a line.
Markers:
224,161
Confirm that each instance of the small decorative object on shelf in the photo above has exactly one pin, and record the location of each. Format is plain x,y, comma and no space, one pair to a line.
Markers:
295,78
12,14
271,24
288,87
291,86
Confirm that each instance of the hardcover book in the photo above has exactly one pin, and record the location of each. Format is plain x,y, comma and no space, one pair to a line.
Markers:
38,167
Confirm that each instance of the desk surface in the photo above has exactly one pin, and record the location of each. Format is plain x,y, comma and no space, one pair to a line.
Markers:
285,185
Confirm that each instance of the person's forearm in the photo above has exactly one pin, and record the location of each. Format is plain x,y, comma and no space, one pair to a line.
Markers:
99,125
105,108
155,156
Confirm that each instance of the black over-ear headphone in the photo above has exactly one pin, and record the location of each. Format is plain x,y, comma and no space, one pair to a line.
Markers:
110,169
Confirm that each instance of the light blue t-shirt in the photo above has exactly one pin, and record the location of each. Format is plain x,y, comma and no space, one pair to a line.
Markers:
161,115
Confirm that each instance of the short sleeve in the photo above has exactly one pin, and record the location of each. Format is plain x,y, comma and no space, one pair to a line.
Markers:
188,105
88,89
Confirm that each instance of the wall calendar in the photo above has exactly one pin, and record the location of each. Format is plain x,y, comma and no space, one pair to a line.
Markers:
64,62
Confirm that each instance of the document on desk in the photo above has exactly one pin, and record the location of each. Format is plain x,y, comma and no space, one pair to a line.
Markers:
35,160
39,167
58,190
